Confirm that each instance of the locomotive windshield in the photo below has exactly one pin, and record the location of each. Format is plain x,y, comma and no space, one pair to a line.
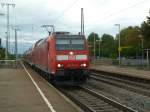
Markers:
70,44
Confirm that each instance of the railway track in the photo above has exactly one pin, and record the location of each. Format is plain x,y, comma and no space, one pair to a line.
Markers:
144,81
91,101
135,86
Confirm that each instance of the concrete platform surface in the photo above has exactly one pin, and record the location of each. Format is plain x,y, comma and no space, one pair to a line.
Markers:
123,70
19,94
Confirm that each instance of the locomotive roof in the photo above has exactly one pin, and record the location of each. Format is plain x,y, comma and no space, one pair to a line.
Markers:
62,33
68,36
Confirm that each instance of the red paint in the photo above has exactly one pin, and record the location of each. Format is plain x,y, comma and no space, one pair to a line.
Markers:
43,54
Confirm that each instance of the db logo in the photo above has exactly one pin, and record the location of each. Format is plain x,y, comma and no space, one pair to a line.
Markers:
72,57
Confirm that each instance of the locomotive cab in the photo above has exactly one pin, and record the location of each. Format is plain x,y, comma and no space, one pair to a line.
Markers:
72,61
61,57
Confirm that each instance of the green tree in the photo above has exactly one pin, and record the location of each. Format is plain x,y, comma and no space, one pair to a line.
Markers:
91,43
2,53
108,47
145,31
130,41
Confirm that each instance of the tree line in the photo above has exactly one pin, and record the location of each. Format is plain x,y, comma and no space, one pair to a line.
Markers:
2,54
131,39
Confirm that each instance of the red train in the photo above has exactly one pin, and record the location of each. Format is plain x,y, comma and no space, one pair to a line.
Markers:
62,56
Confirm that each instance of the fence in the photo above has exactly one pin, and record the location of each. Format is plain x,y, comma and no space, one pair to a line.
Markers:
9,63
143,64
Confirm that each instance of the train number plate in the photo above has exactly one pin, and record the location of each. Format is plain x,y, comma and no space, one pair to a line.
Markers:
72,57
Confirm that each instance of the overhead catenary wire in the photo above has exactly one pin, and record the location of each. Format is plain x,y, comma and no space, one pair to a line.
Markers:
117,12
125,9
66,10
108,17
63,12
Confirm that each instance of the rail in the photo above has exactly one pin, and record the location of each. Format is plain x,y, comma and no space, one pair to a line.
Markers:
91,101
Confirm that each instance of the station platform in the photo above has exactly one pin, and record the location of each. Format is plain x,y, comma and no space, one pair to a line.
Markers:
18,93
139,73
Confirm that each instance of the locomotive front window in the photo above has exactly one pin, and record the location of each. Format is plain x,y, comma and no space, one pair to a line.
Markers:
77,44
62,44
70,44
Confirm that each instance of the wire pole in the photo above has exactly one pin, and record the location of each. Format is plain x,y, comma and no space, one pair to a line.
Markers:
8,30
94,49
82,21
2,14
142,47
142,50
99,48
119,48
16,41
16,47
6,47
147,54
8,27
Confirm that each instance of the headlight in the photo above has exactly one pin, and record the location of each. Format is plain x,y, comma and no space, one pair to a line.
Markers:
59,65
83,65
71,53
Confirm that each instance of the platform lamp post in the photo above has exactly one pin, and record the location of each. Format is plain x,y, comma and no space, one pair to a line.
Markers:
99,41
119,48
142,47
147,57
147,53
94,49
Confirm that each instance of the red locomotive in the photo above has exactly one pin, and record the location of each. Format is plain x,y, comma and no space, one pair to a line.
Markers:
62,56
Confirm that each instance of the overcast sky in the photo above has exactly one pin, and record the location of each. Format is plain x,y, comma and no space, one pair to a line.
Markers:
100,16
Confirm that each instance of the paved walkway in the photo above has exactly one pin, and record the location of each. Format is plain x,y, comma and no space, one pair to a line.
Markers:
19,94
123,70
